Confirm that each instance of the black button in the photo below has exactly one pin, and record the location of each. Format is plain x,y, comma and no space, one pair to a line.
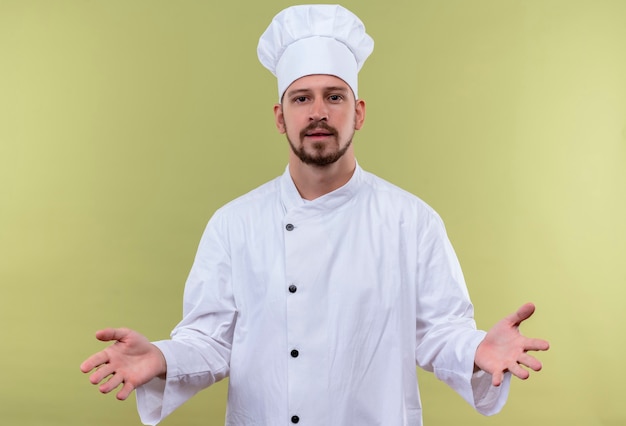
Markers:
293,288
295,419
295,353
289,227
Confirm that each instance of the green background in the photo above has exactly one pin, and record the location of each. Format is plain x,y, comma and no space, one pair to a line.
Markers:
125,124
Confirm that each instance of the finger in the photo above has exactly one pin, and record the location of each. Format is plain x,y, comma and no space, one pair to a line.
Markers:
530,362
519,372
101,373
497,378
112,383
94,361
125,391
109,334
536,345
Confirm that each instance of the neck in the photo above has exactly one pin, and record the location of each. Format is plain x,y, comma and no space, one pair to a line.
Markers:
314,181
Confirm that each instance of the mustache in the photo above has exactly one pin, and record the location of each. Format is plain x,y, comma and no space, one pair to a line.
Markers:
318,125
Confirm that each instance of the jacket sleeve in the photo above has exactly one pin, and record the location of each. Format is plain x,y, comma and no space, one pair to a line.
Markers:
198,353
447,338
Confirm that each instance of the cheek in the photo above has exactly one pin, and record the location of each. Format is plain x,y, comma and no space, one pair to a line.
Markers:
291,124
348,122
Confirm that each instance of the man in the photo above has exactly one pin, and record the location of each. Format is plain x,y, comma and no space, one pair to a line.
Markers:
320,291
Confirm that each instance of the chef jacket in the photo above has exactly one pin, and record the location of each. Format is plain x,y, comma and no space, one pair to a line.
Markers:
319,311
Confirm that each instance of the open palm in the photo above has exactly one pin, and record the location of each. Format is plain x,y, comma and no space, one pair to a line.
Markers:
132,361
504,348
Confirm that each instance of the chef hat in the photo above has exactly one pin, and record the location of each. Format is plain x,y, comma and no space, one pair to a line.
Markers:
314,39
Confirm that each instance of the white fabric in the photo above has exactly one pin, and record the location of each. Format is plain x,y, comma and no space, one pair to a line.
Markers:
314,39
379,290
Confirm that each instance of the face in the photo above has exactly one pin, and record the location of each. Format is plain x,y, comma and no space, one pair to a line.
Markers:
319,116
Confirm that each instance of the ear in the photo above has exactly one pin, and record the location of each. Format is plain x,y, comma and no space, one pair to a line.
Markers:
359,118
279,118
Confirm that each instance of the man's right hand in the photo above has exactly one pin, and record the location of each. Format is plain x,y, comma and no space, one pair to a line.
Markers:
132,361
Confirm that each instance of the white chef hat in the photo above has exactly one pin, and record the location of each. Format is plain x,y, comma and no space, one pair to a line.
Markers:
315,39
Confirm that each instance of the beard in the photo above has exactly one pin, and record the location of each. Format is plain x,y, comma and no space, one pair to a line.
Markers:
321,155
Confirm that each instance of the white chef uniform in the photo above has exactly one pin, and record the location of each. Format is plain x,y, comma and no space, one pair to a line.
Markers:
319,311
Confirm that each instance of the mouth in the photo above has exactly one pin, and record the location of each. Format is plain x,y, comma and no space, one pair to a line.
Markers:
318,134
319,131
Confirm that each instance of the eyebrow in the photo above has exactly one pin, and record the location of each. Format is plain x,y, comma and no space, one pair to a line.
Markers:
326,89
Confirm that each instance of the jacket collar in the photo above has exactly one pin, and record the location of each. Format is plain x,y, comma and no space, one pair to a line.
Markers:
291,198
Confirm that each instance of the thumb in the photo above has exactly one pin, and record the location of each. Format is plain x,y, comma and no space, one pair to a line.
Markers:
523,313
109,334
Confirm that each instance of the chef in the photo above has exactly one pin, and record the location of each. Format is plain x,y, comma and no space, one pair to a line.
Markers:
319,292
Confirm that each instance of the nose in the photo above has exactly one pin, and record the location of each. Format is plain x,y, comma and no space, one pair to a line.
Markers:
318,111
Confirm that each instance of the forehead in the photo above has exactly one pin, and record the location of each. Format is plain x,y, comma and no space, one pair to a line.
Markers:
317,82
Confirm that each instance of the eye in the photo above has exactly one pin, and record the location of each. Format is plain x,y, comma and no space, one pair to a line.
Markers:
300,99
335,98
